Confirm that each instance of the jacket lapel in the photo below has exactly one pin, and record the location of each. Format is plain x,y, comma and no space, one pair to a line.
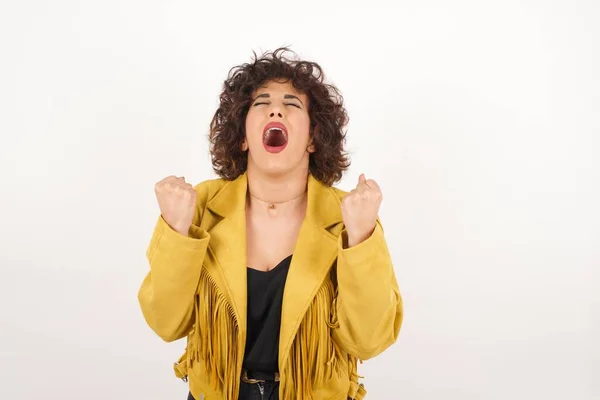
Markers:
314,254
228,243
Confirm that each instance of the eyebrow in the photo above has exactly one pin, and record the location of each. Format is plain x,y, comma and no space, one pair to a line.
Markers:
285,96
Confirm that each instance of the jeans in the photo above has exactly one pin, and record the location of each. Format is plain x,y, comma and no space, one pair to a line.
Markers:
268,390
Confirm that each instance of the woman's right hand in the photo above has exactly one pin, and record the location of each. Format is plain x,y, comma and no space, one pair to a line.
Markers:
177,200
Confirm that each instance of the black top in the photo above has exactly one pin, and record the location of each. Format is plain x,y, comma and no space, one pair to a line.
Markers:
265,296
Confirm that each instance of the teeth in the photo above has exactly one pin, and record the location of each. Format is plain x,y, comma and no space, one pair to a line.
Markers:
268,131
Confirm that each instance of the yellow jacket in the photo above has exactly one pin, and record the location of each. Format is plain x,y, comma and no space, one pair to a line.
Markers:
340,304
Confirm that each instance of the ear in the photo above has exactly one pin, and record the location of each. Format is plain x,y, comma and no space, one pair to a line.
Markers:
311,146
245,145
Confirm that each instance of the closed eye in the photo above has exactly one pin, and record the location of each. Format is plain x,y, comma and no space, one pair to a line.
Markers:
287,104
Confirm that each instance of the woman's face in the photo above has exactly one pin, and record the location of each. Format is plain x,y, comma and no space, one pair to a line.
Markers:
277,129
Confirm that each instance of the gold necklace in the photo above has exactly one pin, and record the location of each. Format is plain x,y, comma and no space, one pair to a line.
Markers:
272,205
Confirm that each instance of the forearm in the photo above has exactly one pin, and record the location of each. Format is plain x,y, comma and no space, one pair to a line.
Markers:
167,293
369,305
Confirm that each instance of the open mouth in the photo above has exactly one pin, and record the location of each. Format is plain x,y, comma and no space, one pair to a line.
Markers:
275,137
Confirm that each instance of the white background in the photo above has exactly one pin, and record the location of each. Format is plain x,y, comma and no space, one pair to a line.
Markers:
480,120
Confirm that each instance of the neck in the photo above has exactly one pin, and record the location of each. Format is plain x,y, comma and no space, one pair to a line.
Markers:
284,191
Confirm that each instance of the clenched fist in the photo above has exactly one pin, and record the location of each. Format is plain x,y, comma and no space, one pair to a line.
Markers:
359,210
177,201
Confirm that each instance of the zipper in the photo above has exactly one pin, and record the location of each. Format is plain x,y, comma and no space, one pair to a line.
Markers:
261,388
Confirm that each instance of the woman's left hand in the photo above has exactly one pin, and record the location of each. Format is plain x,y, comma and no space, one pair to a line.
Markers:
359,210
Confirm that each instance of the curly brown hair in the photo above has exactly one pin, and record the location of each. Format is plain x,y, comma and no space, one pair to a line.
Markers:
327,114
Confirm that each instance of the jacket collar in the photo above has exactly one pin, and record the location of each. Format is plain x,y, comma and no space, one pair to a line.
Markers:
314,253
323,207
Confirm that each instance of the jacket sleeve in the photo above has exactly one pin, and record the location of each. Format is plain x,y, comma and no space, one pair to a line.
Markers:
369,305
167,293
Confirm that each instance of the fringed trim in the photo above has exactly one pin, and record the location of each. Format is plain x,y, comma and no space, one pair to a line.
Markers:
314,356
353,369
214,338
357,390
352,361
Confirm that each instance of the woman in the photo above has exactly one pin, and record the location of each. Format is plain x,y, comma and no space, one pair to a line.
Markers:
279,281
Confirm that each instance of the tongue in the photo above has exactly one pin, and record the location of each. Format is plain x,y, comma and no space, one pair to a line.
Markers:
275,138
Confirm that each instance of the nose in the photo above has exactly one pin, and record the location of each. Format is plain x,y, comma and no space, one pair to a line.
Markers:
275,109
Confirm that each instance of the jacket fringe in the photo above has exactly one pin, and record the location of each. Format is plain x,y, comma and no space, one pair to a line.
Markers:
314,356
313,350
214,337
